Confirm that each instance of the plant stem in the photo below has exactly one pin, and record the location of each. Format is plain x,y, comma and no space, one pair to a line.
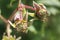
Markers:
29,7
12,15
8,30
4,19
8,25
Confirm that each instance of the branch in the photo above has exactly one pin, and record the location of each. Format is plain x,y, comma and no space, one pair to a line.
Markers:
12,15
8,25
4,19
8,30
29,7
27,16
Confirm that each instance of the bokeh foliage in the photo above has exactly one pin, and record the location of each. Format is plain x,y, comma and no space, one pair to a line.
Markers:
51,30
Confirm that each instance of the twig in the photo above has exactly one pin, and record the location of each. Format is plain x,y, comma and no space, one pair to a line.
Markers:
8,25
19,2
4,19
27,16
8,30
1,17
12,15
0,11
29,7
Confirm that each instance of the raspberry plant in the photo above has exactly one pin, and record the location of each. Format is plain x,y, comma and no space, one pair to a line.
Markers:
19,19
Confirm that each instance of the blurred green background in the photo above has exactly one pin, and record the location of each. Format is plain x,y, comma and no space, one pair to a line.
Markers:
39,31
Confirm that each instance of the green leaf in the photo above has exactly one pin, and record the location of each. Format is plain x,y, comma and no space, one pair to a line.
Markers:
32,29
